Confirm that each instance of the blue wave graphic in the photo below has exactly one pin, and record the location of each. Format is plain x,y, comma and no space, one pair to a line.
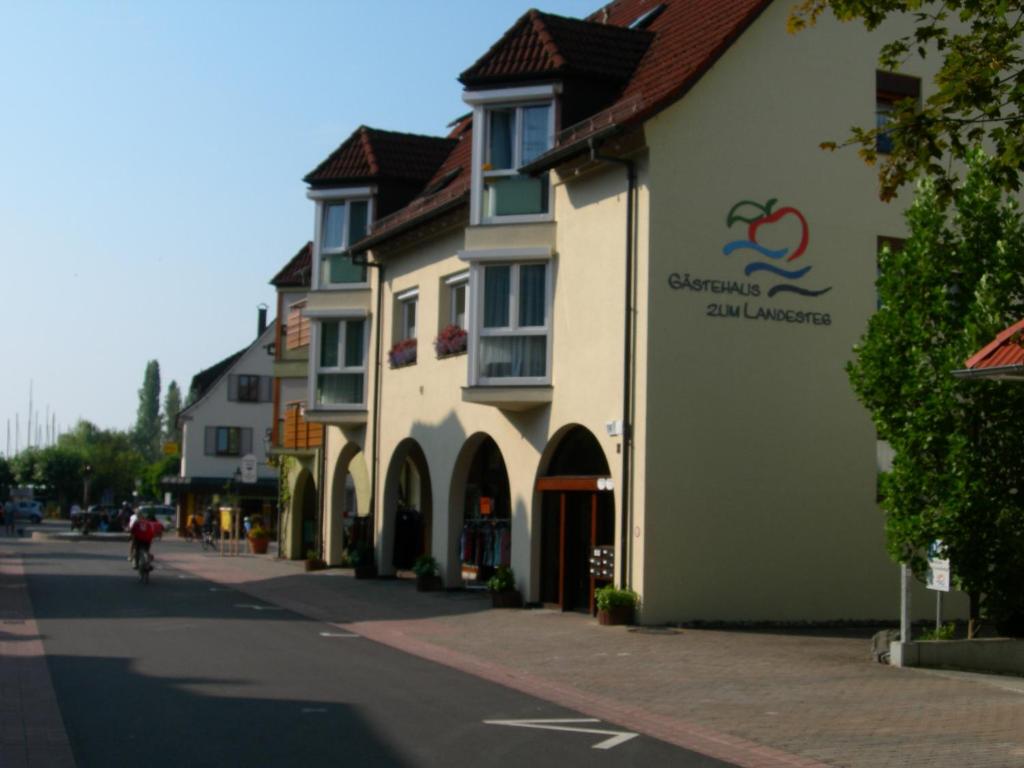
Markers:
736,245
793,289
790,274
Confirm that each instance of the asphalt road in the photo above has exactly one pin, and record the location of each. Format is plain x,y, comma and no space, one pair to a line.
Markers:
182,672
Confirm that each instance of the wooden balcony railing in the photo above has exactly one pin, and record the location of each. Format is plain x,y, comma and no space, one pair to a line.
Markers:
297,326
299,434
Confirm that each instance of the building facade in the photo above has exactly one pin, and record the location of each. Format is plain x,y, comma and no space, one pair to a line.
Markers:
617,319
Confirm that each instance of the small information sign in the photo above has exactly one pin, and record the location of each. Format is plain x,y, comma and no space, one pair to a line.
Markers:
602,562
938,569
248,467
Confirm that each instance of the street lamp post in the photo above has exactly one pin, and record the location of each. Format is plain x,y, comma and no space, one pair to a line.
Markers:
86,477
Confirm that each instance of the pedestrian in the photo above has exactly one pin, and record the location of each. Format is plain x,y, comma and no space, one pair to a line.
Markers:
10,514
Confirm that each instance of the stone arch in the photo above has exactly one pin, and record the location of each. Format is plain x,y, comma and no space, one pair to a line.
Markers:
574,513
349,500
480,472
302,529
408,504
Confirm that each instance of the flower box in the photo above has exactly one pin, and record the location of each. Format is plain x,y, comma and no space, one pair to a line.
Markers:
450,341
403,353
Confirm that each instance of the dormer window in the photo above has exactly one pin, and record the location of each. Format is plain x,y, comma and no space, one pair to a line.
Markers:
515,136
343,218
511,127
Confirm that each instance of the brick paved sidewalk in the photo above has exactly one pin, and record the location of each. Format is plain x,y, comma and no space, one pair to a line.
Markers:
32,732
755,699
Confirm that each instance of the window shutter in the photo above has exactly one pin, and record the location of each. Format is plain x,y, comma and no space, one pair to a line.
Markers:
265,389
233,387
211,441
246,441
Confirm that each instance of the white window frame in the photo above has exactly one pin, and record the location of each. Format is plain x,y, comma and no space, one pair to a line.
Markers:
315,369
454,284
514,257
504,98
323,199
406,299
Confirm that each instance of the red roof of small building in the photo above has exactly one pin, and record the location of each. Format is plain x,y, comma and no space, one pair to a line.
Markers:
296,273
542,45
447,189
679,41
370,153
1003,355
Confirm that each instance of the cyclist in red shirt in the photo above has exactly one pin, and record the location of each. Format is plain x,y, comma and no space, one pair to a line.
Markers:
143,531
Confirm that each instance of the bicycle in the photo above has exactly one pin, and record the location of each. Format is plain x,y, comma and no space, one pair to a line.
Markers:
208,541
143,563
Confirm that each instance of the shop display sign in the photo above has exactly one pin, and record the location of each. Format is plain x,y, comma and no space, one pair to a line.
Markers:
602,562
938,569
772,240
485,506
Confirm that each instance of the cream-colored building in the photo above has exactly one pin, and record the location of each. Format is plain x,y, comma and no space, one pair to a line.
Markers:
660,277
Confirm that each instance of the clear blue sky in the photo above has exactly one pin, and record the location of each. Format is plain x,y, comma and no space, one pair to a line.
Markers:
151,164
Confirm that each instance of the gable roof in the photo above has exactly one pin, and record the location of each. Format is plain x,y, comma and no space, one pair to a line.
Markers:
446,190
679,41
689,37
370,153
1002,358
296,273
542,45
206,378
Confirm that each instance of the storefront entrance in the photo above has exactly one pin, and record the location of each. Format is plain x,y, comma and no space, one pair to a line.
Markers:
577,515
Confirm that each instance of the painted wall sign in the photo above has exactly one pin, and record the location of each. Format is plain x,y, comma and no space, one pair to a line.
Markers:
774,239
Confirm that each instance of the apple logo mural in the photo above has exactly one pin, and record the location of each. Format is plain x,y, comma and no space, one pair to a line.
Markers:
771,234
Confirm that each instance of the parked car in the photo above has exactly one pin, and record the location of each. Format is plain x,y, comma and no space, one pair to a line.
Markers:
164,514
98,517
25,510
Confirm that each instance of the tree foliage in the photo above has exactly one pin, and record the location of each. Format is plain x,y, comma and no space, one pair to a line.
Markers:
959,445
172,407
979,92
147,422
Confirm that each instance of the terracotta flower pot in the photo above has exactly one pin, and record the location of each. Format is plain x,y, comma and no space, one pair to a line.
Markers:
259,546
619,614
512,598
429,583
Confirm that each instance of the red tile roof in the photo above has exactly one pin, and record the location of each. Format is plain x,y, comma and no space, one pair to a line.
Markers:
678,45
295,274
447,189
542,45
370,153
1003,357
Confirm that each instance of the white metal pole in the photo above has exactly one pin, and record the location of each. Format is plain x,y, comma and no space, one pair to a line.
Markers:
905,604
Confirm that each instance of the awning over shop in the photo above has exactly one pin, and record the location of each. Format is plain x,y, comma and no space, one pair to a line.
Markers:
264,487
1003,358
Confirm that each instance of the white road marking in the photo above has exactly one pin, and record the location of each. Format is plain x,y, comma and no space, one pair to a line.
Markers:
561,724
258,607
337,634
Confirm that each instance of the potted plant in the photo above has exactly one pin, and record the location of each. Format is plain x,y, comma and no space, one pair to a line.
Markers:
428,575
502,586
361,558
402,353
259,539
615,606
450,341
314,561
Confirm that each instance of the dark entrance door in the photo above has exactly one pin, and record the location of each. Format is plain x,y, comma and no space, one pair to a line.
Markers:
574,521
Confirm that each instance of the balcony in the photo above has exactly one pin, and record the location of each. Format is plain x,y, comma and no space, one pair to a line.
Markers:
299,434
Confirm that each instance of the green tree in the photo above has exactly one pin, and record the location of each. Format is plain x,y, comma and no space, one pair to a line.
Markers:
959,445
979,93
59,470
113,456
172,407
147,422
6,478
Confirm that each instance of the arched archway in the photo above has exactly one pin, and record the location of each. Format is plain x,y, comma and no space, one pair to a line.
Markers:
481,516
407,514
303,529
348,516
577,518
